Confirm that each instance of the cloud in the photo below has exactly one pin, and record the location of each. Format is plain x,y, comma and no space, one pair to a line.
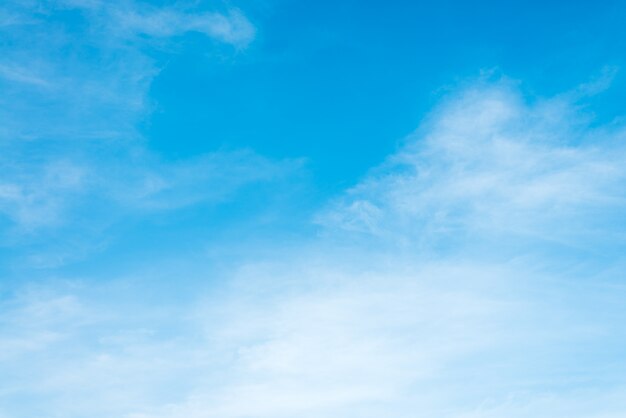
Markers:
87,77
60,209
21,75
489,165
452,339
38,193
35,196
75,77
232,28
390,311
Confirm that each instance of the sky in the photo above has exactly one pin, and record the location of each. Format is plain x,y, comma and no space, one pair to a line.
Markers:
338,209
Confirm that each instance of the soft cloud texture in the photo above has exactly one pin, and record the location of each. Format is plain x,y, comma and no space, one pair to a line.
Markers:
41,193
391,311
59,209
232,28
477,273
75,78
82,69
488,165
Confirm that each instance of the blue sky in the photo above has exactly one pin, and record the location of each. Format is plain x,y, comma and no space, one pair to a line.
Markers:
278,208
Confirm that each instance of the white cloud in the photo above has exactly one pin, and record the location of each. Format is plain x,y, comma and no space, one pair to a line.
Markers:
45,193
303,338
74,91
21,75
36,196
88,78
232,28
488,164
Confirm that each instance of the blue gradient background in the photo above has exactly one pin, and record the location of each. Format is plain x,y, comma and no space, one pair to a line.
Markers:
333,208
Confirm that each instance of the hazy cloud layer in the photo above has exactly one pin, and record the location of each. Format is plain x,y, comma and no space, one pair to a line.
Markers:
390,312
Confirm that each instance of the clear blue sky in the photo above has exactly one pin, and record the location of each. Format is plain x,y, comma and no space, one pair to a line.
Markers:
280,208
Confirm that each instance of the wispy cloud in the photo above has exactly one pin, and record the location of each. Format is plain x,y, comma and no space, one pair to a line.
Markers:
41,193
21,75
487,164
59,208
232,28
75,77
87,75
